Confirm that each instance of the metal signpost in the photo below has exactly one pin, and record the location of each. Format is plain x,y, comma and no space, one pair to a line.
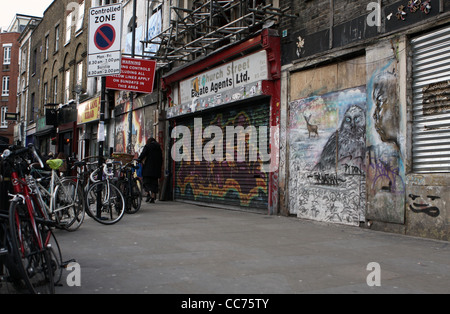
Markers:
104,59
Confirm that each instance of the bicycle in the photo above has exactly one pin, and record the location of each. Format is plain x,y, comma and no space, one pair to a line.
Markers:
104,201
62,198
130,186
29,228
10,277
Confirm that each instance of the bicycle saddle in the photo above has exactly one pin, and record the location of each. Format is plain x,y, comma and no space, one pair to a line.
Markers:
55,164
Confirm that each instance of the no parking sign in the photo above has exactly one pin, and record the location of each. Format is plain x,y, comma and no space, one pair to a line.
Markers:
104,44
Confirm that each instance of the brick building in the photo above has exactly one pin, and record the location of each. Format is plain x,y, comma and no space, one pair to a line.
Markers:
365,134
8,75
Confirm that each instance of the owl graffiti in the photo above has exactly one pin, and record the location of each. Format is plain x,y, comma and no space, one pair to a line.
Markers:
348,143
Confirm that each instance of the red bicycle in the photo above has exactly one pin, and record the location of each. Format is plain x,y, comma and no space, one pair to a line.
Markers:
29,226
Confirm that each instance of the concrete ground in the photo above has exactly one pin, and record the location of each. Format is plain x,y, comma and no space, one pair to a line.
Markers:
179,248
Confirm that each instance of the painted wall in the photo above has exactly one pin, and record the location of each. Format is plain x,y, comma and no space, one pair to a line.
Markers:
386,131
342,169
326,136
327,150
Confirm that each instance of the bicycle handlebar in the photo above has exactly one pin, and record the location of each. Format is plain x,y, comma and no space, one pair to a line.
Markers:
21,151
105,172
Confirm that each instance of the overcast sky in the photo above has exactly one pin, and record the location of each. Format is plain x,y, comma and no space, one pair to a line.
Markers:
9,8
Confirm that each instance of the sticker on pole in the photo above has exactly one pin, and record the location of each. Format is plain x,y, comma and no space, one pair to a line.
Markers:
104,43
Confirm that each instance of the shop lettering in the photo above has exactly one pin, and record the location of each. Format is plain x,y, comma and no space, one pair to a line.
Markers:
242,77
91,110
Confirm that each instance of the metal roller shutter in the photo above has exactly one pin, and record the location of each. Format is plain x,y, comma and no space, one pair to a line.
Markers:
239,184
431,104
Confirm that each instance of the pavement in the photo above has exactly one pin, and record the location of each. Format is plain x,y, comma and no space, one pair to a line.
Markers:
180,248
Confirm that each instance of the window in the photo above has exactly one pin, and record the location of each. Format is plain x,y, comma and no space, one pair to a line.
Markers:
45,93
47,43
55,90
7,54
23,63
5,86
32,109
80,17
68,27
34,61
56,38
4,123
67,86
80,73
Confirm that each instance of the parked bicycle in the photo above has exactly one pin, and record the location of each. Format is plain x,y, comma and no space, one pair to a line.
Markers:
62,198
29,229
105,203
128,182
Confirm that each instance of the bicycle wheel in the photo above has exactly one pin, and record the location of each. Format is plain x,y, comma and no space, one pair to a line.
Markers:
112,206
11,281
136,196
56,258
33,259
133,198
69,208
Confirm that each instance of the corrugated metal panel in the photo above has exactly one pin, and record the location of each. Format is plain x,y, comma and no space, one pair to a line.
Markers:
231,183
431,105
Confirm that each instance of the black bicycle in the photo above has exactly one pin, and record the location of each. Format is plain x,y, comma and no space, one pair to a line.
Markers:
130,186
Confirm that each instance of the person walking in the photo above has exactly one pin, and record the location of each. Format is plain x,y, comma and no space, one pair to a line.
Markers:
151,158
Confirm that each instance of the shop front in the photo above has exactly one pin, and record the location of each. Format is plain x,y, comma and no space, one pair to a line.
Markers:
44,134
224,118
87,127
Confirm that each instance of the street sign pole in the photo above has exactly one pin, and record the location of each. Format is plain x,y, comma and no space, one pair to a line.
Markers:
104,58
130,114
101,143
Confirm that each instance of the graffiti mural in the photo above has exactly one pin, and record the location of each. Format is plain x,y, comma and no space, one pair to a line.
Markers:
141,130
230,182
327,171
385,172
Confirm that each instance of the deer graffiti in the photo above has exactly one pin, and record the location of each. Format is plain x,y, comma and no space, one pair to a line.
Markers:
311,127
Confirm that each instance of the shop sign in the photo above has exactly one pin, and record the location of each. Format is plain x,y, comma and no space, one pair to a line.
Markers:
237,74
89,111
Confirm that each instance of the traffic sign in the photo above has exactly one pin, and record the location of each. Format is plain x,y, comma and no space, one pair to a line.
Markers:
137,75
104,37
104,43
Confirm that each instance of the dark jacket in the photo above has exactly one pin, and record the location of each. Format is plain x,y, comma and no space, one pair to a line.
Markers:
153,162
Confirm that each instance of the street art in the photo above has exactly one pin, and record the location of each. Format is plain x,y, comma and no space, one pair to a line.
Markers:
139,130
228,181
419,204
311,127
327,172
386,113
385,170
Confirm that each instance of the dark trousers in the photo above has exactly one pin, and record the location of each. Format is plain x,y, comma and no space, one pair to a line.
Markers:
151,184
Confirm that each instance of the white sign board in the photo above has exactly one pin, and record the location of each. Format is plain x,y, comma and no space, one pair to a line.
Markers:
104,43
241,72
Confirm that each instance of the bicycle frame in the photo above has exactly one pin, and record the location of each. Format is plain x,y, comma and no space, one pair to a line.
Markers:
51,194
22,193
